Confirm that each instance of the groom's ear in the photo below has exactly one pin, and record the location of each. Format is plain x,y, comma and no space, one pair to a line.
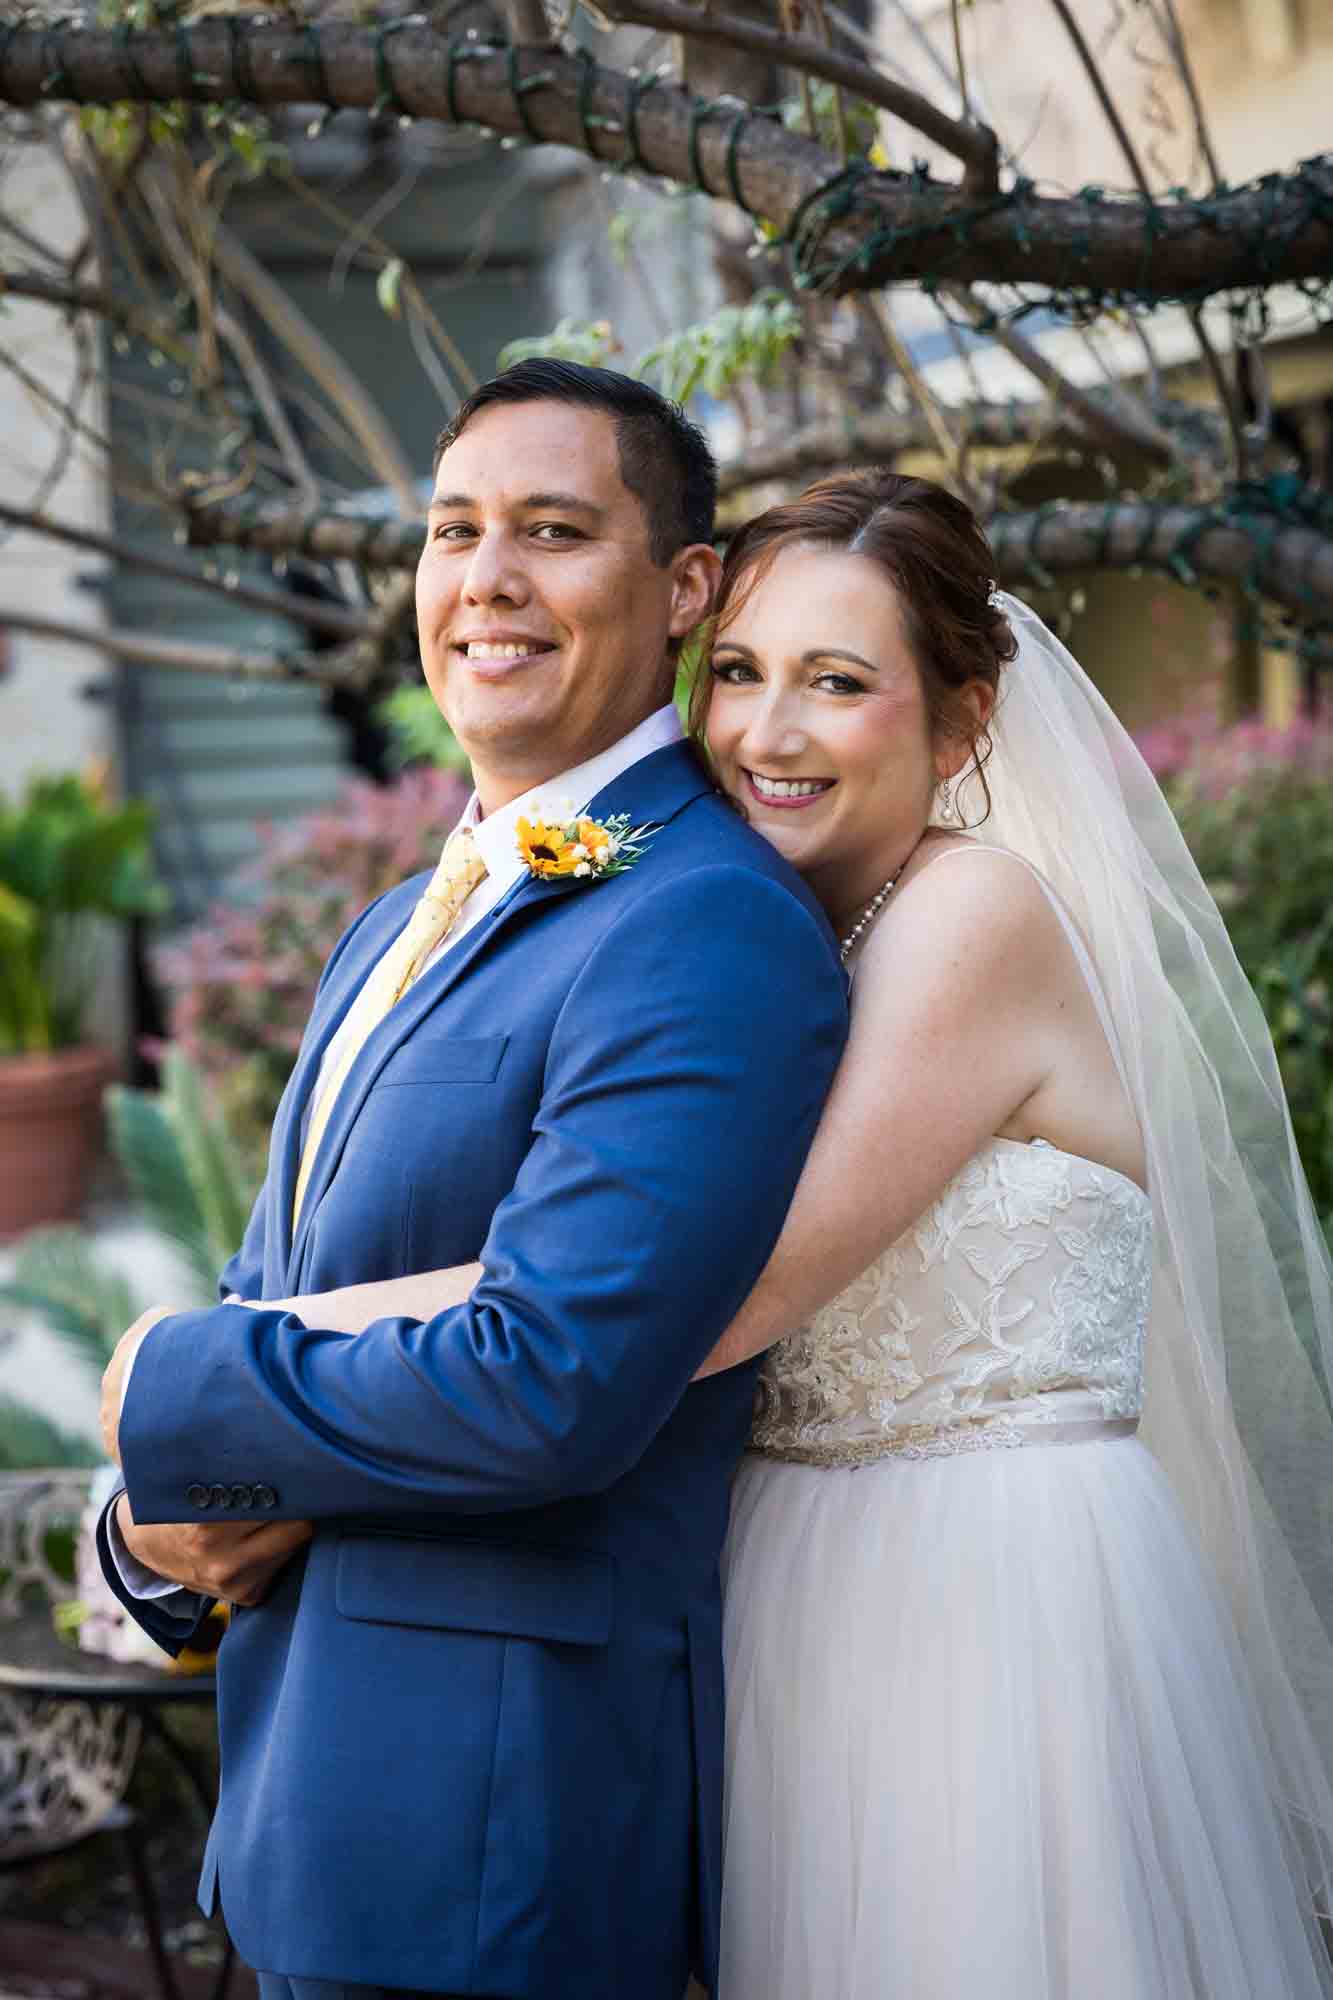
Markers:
696,573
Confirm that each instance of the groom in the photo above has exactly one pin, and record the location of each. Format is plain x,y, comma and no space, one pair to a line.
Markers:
472,1733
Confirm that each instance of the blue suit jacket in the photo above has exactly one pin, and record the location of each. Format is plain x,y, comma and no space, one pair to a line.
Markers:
473,1739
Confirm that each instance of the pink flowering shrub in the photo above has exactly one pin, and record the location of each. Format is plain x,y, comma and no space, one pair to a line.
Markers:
1256,807
1217,761
241,982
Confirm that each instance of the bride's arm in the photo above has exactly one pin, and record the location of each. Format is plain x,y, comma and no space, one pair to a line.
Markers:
351,1308
956,1004
956,996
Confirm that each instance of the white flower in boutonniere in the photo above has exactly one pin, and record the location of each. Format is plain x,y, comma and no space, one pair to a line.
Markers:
565,845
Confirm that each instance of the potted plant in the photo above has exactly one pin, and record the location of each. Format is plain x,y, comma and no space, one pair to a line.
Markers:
191,1187
69,861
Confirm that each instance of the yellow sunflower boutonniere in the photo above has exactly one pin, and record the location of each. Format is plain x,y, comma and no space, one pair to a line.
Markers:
569,846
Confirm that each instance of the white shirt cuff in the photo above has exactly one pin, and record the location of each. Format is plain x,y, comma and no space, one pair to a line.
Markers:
143,1583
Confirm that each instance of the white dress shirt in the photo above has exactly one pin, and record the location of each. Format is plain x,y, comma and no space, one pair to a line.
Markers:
497,844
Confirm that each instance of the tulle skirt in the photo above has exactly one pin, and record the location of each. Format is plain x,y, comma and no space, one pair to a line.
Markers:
989,1737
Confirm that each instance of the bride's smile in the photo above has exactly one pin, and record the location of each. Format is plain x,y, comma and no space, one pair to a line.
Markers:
786,791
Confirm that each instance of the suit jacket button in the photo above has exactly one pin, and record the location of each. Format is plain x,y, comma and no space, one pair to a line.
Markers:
264,1496
242,1496
198,1496
220,1496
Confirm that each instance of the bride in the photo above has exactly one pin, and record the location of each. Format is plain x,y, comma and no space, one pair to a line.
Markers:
1028,1696
993,1725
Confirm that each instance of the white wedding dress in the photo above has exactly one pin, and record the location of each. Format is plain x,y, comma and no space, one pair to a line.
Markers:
989,1730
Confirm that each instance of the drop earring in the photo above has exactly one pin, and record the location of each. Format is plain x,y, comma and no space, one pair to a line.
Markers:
948,811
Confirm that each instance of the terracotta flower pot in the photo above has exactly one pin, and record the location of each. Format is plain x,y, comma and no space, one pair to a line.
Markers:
50,1126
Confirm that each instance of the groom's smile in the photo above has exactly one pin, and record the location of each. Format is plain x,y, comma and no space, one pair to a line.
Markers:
500,654
544,620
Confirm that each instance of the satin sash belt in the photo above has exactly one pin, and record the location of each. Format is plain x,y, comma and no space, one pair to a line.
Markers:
935,1441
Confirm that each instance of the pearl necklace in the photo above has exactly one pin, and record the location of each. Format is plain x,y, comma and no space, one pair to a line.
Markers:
869,913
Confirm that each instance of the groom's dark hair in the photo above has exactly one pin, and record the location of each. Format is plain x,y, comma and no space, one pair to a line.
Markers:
664,458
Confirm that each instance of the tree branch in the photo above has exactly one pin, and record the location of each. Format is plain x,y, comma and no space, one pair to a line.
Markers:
150,649
190,260
887,434
308,611
100,301
975,145
1116,427
373,543
1287,562
899,355
1120,133
527,22
322,362
890,227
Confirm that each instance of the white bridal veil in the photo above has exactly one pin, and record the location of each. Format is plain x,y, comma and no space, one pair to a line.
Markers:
1240,1342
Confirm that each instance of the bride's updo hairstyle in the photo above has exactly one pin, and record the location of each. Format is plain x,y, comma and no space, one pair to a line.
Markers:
933,551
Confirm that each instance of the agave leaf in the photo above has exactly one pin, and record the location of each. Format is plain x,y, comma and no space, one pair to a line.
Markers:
57,1273
146,1144
29,1442
211,1160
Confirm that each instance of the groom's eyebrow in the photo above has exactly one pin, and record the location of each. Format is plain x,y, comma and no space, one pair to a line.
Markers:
563,503
560,503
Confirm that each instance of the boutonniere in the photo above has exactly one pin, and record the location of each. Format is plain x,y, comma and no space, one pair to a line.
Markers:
564,845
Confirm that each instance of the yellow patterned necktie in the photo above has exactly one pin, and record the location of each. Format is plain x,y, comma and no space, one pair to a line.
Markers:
461,869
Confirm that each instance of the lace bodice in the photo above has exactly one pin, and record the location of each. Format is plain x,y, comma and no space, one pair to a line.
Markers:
1018,1301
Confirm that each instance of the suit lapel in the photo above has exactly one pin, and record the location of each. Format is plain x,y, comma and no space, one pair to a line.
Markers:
651,791
285,1149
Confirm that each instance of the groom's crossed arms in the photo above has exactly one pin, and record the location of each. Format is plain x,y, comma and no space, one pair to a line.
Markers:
685,1073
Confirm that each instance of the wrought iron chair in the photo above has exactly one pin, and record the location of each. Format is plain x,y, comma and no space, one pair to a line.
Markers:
64,1763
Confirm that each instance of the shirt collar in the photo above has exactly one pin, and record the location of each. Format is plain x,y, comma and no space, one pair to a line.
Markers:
496,834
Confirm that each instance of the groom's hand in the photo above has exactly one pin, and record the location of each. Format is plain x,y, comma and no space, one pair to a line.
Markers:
233,1560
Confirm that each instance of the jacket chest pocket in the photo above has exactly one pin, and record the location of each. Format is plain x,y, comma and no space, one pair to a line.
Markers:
423,1165
443,1059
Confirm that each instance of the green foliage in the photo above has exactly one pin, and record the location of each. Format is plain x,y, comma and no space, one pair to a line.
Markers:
689,664
187,1173
388,288
183,1166
859,121
30,1443
213,1164
1256,807
88,1306
67,858
117,131
638,227
419,732
588,341
621,231
737,343
715,354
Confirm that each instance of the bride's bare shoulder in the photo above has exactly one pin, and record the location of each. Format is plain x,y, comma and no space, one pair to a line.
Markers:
963,906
